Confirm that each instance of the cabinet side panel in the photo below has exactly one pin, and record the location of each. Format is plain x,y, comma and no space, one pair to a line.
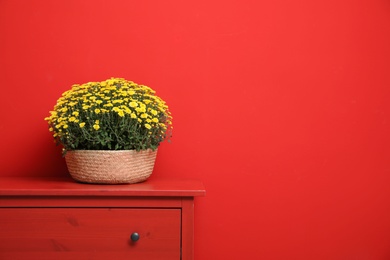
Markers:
187,228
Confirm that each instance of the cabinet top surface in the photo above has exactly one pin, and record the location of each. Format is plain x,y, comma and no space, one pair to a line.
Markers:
63,186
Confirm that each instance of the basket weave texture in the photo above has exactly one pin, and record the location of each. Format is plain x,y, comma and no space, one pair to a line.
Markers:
110,167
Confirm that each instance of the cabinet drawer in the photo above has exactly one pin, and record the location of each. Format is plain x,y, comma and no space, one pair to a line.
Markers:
89,233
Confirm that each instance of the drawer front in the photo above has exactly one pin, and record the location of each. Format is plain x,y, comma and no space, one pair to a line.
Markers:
89,233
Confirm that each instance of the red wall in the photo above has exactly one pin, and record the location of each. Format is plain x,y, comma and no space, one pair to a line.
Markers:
281,108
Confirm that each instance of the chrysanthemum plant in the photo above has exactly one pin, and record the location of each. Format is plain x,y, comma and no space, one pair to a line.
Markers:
114,114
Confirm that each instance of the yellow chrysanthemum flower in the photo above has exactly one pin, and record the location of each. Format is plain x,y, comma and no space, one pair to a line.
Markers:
144,115
127,110
153,112
133,104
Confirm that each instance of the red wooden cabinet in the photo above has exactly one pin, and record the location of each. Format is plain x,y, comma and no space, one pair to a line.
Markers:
57,218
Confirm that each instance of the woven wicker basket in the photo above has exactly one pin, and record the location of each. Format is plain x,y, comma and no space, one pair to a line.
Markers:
110,167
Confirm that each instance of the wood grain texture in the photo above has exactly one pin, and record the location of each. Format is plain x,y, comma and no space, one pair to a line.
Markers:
58,186
90,232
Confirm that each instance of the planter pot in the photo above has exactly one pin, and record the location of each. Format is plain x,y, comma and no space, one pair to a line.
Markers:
110,167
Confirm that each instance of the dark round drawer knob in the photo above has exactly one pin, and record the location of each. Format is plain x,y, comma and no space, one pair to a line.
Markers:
134,237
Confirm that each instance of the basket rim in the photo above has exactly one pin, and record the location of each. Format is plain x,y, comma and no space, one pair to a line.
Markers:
109,151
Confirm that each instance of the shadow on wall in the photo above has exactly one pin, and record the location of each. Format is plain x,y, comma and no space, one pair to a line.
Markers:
45,159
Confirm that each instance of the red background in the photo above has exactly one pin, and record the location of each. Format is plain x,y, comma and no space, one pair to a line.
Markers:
281,108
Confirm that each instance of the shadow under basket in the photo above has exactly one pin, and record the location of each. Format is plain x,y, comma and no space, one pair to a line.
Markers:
110,167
